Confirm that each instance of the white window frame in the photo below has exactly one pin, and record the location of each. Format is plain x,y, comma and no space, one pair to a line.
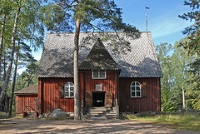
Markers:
98,74
69,88
135,88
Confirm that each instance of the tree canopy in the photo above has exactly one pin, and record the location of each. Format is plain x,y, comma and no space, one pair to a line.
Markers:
21,28
192,42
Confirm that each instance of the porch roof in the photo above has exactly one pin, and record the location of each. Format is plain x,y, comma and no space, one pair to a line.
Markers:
33,90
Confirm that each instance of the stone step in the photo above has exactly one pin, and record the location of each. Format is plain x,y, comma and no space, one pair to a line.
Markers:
96,110
100,112
107,113
94,117
100,108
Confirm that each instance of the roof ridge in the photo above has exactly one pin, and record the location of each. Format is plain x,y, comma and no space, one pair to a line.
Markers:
57,33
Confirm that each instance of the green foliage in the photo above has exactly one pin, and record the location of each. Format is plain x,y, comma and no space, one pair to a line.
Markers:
29,31
28,77
192,44
175,62
98,16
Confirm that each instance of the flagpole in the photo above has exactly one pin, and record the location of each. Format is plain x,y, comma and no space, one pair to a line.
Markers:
146,17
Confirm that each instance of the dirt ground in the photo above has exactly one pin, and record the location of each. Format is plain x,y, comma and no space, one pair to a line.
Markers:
29,126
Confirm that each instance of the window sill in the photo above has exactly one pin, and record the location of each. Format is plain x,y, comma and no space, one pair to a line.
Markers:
68,98
99,78
136,97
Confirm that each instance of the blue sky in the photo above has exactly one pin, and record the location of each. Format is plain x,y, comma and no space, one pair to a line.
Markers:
163,21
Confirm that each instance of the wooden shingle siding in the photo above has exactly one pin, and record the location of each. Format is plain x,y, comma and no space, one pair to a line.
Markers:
150,99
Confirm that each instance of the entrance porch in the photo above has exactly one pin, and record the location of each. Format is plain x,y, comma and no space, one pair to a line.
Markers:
103,105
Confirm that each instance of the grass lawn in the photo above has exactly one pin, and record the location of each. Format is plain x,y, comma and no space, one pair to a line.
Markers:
187,121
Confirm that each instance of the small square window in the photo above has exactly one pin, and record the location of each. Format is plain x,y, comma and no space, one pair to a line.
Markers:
99,74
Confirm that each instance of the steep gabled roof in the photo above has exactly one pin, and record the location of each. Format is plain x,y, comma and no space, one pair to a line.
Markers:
31,90
139,60
99,59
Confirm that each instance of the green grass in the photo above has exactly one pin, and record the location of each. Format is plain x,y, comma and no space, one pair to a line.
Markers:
187,121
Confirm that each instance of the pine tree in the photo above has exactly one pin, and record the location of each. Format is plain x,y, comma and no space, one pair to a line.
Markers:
192,44
20,20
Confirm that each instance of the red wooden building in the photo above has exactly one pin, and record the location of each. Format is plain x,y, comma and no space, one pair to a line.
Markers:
125,78
26,99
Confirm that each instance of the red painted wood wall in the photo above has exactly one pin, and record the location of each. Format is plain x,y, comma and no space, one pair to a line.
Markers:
49,96
25,103
110,84
151,95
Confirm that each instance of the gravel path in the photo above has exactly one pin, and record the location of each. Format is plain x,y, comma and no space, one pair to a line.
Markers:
26,126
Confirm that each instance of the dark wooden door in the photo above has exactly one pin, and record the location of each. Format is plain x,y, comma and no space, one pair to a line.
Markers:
98,99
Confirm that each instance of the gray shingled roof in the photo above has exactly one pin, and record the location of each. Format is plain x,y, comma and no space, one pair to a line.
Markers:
136,59
99,59
33,89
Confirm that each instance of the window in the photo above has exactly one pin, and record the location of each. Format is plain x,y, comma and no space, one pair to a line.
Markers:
69,90
98,87
100,74
135,89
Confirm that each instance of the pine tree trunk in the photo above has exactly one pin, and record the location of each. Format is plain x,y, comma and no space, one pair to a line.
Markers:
14,81
4,66
77,108
8,74
1,43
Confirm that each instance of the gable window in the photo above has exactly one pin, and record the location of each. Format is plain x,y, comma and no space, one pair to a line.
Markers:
69,90
135,89
98,74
